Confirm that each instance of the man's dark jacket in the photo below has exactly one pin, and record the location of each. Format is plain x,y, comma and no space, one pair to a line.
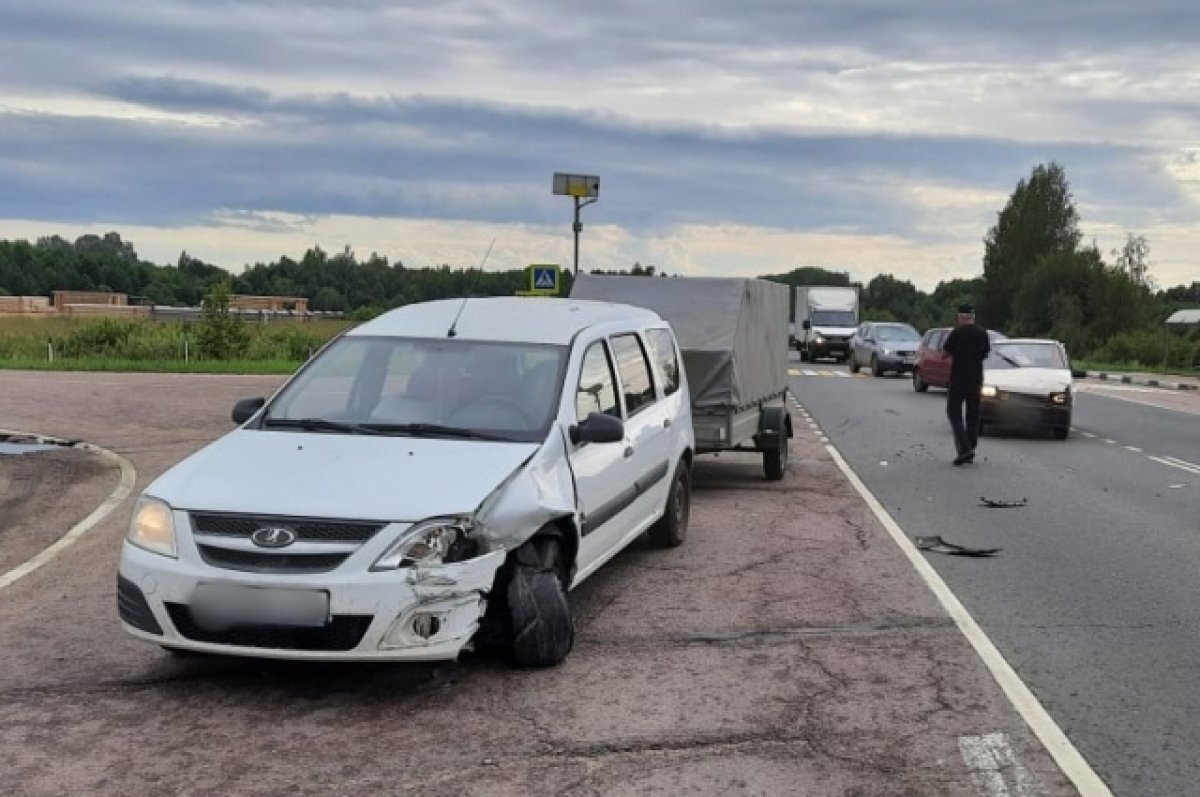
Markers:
969,346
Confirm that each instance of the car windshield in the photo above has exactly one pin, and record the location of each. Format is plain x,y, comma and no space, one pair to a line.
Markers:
896,332
425,387
1025,355
833,318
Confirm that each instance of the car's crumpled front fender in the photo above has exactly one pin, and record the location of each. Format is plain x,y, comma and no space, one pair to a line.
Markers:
540,491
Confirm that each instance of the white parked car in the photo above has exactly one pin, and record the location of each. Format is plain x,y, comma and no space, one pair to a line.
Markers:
446,467
1027,382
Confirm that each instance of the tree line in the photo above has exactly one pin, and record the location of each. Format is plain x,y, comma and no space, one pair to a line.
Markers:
1038,279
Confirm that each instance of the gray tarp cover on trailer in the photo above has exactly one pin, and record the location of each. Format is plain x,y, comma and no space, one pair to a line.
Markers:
733,332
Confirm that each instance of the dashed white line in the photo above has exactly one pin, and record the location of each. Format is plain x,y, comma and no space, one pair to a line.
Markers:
1087,434
1187,468
809,372
1110,442
1134,449
840,373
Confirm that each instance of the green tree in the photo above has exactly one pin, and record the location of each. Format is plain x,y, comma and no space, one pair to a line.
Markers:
220,335
1039,220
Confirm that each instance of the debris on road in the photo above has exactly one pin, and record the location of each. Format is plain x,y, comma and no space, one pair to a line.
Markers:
938,545
991,503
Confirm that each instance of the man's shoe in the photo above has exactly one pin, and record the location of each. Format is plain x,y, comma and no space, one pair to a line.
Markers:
969,457
963,459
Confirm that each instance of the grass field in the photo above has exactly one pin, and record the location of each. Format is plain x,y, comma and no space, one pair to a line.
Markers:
119,344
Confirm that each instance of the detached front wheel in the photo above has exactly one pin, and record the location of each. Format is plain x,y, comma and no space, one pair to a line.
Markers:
543,631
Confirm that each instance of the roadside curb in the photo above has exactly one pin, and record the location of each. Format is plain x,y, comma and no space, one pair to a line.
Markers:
1127,379
125,484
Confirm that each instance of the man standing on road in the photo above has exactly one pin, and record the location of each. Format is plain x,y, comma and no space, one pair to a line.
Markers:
968,345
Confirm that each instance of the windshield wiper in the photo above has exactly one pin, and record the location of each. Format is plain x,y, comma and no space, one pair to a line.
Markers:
318,425
1008,360
434,430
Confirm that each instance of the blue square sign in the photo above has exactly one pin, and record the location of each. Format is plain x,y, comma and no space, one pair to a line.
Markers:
543,279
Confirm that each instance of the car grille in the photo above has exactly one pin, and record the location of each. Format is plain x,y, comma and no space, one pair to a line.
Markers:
265,562
306,530
224,541
344,632
133,608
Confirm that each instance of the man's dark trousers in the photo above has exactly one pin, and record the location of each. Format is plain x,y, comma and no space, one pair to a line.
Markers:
965,438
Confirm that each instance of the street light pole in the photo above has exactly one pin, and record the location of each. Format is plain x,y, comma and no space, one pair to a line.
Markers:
584,189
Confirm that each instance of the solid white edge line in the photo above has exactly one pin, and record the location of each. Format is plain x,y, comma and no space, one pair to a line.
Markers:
1183,462
124,487
1072,763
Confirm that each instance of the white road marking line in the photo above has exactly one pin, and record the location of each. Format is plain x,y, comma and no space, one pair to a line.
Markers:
123,489
990,758
809,372
1185,468
1110,442
793,372
1072,763
1183,462
1087,434
826,373
1134,449
840,373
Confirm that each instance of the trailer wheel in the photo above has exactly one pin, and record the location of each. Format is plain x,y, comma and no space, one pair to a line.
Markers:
775,461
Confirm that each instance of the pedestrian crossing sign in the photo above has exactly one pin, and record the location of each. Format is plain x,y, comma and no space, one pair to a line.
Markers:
544,279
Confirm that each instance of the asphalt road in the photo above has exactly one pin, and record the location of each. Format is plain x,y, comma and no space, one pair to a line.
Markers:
1095,597
787,647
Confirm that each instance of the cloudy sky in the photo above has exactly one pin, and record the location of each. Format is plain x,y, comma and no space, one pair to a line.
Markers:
730,138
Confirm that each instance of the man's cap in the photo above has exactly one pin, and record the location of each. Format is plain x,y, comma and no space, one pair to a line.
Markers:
966,309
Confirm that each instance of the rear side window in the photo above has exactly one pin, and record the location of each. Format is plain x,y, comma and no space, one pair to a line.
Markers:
597,390
634,373
662,349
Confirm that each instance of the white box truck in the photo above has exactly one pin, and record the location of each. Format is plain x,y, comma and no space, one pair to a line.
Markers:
825,317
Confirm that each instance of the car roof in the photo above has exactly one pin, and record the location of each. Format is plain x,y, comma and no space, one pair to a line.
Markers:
505,318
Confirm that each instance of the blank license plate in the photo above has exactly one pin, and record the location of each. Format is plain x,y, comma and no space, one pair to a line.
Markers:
236,604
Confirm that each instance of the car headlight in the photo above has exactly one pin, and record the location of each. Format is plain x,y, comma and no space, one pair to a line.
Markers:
152,526
818,339
432,542
885,351
1061,398
987,391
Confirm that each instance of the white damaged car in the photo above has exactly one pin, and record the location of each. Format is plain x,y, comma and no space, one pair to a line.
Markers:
1028,383
448,468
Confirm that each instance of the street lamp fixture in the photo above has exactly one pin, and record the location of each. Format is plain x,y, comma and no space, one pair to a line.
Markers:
584,189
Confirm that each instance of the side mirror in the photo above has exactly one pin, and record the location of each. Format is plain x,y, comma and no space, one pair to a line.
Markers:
598,428
807,324
245,409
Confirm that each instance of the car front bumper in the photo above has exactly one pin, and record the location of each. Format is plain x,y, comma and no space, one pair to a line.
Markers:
1024,411
896,362
373,616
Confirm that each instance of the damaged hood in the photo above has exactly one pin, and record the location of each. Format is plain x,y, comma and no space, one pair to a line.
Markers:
308,474
1036,381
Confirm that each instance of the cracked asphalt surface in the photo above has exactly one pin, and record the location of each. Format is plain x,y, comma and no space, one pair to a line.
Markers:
786,648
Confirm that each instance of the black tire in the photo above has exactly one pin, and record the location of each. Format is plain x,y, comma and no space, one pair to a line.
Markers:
543,631
875,369
853,364
671,529
919,384
775,459
1061,432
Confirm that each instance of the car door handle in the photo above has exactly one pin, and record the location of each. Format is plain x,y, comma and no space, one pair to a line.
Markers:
628,452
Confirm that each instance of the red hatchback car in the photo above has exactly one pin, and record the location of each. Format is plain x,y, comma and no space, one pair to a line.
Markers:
933,365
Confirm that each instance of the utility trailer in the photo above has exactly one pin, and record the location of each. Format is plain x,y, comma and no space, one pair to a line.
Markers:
733,335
